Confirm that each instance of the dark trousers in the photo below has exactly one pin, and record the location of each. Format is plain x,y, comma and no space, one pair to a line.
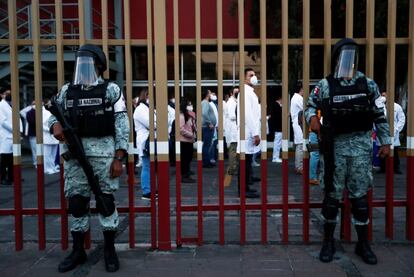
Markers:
249,158
186,157
207,135
171,150
6,167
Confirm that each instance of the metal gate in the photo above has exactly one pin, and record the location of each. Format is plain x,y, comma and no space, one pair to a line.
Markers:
156,44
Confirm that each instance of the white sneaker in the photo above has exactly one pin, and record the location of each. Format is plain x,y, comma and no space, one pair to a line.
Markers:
139,164
278,160
255,164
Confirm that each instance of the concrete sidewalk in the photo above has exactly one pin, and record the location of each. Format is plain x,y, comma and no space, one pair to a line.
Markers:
213,260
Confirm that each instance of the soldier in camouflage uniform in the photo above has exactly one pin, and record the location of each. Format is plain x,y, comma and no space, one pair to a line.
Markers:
96,108
350,105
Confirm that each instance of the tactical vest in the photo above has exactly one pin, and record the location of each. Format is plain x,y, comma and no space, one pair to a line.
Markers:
89,111
348,108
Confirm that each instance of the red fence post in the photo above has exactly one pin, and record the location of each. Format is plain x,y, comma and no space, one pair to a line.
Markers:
389,196
41,207
410,199
305,210
63,211
221,201
285,201
242,193
131,215
18,218
264,200
178,199
153,204
200,203
370,192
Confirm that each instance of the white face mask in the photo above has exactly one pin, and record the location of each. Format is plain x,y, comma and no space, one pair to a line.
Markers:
147,101
172,100
213,97
253,80
190,108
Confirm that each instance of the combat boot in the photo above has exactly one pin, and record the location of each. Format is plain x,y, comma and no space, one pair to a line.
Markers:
111,259
78,255
362,247
328,245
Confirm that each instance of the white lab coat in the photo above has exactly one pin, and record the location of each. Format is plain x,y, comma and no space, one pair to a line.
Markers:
48,138
142,126
399,122
232,132
171,118
50,145
252,120
6,128
225,119
296,105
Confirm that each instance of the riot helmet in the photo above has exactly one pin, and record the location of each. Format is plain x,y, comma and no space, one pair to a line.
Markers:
345,59
90,65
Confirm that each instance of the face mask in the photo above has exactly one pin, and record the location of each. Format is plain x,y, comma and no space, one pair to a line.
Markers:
8,98
190,108
253,80
213,97
147,101
172,100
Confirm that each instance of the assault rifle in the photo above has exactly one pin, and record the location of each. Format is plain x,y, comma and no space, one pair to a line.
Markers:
77,151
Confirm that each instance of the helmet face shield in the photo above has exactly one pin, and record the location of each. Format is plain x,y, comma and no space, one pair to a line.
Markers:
85,71
347,63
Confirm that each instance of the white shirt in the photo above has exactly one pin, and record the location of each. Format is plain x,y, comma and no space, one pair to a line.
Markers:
296,105
252,120
47,137
232,132
6,128
171,118
142,126
225,120
399,122
214,107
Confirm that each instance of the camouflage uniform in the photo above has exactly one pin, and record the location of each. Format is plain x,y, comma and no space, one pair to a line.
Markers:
100,152
353,151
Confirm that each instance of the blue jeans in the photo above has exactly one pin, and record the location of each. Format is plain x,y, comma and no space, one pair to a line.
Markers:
207,135
145,175
314,158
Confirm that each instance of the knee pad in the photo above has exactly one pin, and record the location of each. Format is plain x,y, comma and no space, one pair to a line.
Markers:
105,204
78,205
330,208
360,209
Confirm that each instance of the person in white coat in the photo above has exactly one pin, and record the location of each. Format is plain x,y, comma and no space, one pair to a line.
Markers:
252,127
142,129
50,144
296,106
6,138
213,148
232,134
29,115
399,123
171,128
